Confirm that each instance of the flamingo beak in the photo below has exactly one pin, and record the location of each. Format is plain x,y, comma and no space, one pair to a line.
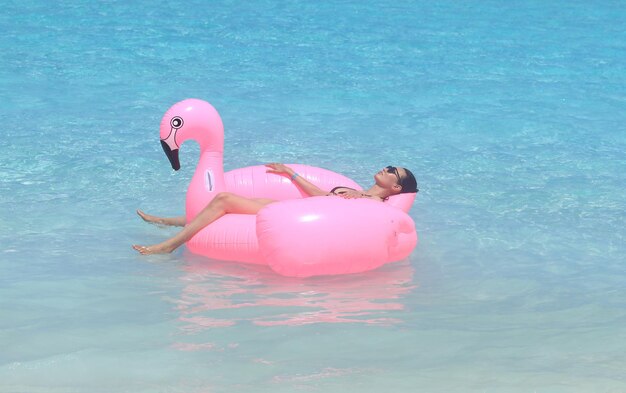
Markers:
172,155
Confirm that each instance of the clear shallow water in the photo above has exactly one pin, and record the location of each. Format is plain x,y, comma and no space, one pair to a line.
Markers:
511,115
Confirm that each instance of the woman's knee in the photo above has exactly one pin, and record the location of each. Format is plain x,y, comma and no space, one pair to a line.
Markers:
224,198
223,195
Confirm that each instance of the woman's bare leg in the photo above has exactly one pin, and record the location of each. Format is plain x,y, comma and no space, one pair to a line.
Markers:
222,204
169,221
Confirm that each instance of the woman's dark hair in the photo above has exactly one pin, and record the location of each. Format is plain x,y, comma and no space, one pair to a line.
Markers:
408,183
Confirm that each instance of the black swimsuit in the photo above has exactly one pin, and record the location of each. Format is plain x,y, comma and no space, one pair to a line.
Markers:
341,192
334,192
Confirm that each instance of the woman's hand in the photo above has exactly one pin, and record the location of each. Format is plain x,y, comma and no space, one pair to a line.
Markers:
309,188
279,169
352,194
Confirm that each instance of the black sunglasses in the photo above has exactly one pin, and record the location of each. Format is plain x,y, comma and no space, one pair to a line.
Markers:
394,170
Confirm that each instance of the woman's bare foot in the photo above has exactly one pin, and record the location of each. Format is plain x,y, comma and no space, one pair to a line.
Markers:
168,221
149,218
155,249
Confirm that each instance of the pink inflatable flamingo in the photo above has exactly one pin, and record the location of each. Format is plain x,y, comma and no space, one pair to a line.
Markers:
297,236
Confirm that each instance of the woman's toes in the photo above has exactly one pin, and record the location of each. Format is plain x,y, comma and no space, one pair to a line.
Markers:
141,249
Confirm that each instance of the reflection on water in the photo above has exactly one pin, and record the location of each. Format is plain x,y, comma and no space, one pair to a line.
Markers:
212,288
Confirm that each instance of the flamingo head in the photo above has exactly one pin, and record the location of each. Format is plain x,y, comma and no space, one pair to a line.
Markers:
191,119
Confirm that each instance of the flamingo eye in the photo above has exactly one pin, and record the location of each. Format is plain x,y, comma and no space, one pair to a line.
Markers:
176,122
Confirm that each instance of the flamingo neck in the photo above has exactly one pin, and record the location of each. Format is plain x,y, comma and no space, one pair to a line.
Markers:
206,183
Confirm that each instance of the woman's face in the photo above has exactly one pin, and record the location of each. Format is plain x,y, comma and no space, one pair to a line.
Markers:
389,176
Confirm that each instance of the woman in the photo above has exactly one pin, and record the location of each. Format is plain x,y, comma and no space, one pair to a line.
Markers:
389,181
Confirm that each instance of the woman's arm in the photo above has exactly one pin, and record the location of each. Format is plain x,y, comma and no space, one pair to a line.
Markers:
306,186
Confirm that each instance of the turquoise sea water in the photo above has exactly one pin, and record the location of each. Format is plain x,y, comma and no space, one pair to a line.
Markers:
511,114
